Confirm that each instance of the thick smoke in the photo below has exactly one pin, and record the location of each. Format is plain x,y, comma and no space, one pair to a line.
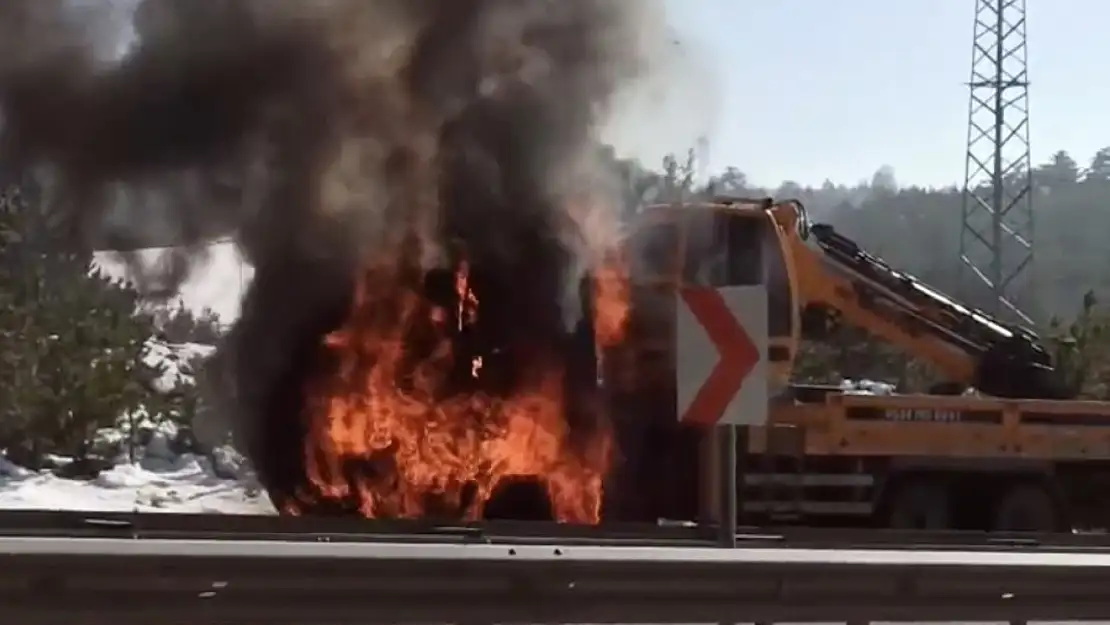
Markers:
319,134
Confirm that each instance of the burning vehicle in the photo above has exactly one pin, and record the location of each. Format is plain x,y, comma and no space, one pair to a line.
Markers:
453,393
418,187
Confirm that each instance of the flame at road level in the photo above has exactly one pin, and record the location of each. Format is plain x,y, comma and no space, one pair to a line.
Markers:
387,428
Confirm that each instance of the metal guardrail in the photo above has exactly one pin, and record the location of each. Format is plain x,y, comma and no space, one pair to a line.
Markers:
135,525
153,569
121,581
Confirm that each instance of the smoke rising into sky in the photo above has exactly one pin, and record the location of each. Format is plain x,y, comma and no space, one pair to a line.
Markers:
325,137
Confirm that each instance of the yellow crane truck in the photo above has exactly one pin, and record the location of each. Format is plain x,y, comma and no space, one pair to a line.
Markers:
1017,454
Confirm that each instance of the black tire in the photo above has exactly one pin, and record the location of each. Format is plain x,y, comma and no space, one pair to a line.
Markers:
919,503
1028,507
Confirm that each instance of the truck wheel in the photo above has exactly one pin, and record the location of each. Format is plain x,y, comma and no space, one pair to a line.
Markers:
919,503
1027,508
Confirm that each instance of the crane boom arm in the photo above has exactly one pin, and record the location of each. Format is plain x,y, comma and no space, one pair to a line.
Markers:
840,279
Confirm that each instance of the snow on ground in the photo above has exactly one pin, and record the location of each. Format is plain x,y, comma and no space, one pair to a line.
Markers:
185,485
160,479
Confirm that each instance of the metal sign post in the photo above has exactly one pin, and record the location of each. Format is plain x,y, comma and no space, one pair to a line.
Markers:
729,513
721,344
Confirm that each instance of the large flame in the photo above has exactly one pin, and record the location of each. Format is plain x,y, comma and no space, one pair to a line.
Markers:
390,406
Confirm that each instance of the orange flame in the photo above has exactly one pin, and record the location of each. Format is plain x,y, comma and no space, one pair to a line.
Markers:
419,445
611,301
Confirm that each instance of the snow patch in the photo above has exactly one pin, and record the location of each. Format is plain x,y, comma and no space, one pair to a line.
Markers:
161,479
175,360
187,485
866,387
164,476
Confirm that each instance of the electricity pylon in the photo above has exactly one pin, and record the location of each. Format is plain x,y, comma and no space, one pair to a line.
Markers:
996,240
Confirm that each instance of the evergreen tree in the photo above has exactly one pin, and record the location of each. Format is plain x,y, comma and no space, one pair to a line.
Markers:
181,325
72,338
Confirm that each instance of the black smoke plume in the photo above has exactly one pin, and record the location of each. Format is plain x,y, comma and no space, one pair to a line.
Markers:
317,134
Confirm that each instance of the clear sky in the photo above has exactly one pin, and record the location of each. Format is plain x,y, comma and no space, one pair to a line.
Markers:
808,90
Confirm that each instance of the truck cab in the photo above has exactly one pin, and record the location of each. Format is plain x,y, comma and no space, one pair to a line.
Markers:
714,244
671,248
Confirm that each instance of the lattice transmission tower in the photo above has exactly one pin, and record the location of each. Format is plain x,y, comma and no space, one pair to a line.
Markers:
996,240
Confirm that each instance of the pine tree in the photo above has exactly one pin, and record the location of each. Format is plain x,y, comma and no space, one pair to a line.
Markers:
72,338
182,325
